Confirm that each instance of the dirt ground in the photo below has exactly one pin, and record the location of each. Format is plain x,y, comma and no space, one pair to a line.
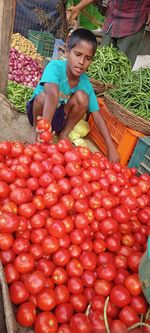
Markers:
14,126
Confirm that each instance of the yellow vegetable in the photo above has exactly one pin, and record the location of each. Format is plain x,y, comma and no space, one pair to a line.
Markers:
25,46
80,142
74,135
82,128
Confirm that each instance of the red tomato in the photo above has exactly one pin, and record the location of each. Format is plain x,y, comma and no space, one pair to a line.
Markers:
26,314
43,123
139,304
64,145
64,328
132,283
37,235
6,241
35,282
88,260
64,312
74,268
79,302
59,276
24,263
18,293
121,275
7,256
61,257
102,287
62,294
109,226
134,260
45,266
46,136
120,214
5,148
46,299
120,296
128,315
106,271
58,211
75,285
117,326
4,189
46,322
50,245
8,222
80,323
11,273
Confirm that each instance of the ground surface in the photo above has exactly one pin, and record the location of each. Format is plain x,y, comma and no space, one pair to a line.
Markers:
14,126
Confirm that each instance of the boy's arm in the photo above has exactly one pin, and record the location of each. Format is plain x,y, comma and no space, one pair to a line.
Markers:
111,150
51,100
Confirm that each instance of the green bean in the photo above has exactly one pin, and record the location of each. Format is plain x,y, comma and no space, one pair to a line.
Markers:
18,95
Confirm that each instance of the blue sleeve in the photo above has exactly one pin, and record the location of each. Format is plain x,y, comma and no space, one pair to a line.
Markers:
93,103
51,73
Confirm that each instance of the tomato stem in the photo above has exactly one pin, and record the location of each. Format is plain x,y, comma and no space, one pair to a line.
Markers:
105,315
147,314
137,325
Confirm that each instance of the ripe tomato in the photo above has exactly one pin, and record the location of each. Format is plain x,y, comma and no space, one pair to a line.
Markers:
46,299
59,276
8,222
64,312
80,323
128,315
6,241
4,189
74,267
61,257
64,328
117,326
46,322
50,245
26,314
106,271
62,294
88,260
43,123
18,293
109,226
24,263
45,266
58,211
139,304
64,145
11,273
132,283
102,287
35,282
79,302
75,285
120,296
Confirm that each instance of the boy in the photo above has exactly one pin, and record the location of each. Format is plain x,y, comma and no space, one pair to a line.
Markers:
64,93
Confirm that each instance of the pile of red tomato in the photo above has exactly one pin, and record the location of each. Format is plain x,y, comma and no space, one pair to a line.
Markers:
73,228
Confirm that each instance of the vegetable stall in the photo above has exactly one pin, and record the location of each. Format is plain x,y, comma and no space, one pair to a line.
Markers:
73,226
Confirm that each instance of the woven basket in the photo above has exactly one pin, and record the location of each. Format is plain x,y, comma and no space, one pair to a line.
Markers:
100,87
126,117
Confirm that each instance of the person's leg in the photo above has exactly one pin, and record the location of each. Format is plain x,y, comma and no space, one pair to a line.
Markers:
107,39
130,45
75,109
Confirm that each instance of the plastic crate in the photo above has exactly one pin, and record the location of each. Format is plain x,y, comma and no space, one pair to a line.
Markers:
140,158
124,138
43,41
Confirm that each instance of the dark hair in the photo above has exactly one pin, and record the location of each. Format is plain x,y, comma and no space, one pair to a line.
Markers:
79,35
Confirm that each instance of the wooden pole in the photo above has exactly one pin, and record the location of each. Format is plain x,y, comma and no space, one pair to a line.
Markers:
7,9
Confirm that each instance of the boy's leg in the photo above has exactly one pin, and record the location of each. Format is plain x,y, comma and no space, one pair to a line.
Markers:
74,110
38,105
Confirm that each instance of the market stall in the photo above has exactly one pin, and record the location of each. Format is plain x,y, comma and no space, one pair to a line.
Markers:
73,226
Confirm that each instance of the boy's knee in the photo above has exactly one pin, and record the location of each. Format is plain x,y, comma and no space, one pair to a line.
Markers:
82,98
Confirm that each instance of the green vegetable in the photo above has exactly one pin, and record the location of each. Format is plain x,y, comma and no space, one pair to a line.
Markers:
18,95
109,65
134,93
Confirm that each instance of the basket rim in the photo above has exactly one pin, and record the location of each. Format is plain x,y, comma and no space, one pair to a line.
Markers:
129,113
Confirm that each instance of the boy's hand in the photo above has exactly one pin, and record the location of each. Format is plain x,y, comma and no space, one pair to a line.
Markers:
113,155
43,130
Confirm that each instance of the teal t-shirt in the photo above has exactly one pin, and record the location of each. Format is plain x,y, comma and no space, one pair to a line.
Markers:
55,72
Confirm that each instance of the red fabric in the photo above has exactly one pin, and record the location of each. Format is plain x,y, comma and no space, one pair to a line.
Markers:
126,17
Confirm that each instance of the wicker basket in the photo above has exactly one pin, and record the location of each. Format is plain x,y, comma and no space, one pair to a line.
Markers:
126,117
100,87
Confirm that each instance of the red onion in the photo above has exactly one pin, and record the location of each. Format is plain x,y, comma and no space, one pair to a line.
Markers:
24,69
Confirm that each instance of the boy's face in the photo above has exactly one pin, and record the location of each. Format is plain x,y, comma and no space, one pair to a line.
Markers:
80,57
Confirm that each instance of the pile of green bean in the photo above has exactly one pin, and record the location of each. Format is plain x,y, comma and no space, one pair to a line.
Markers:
109,65
134,93
18,95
